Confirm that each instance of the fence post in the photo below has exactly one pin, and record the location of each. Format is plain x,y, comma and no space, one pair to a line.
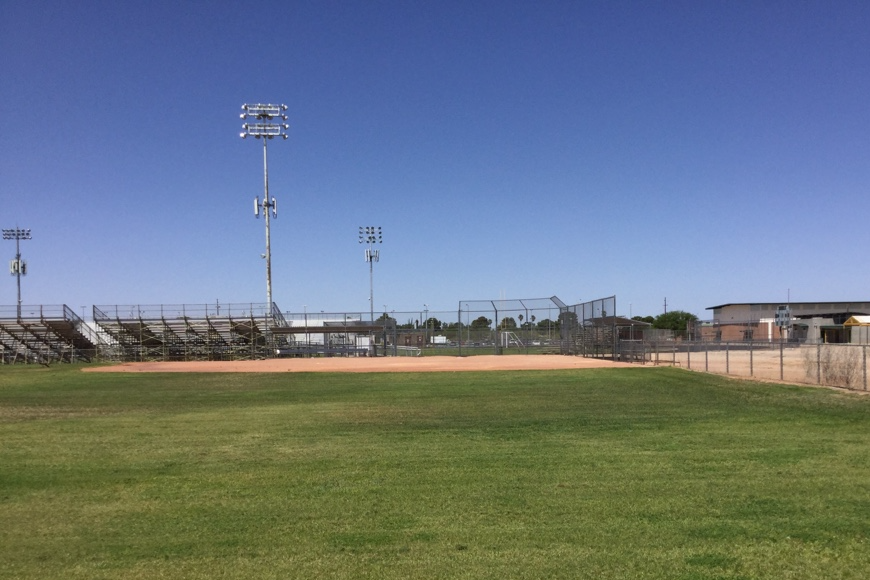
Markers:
615,342
688,356
727,361
864,348
781,354
459,327
706,358
751,361
818,363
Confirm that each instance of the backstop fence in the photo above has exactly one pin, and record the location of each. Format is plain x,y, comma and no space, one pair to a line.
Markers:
590,329
496,326
521,326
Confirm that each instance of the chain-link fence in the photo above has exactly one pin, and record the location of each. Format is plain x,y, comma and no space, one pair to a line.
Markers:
503,326
590,329
521,326
836,365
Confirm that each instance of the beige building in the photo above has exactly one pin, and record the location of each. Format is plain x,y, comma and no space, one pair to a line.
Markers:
811,322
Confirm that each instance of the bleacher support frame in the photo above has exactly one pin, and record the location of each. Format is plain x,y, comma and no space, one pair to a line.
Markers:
45,335
191,331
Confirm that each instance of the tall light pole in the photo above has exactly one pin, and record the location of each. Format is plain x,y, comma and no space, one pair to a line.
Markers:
265,127
371,235
17,267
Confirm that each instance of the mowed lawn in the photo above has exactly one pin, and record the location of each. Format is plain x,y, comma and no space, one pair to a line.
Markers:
637,473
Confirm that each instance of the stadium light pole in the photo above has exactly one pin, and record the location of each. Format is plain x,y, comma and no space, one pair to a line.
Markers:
265,127
371,235
17,267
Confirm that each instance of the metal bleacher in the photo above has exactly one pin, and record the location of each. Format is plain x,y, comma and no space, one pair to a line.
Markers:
44,335
189,332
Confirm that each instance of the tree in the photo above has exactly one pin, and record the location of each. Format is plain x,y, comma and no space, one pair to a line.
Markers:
647,319
481,323
527,323
386,319
507,323
432,323
676,320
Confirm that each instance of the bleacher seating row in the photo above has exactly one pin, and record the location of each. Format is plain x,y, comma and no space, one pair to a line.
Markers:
48,334
44,334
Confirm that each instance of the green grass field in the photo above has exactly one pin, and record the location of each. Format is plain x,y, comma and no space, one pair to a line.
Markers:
637,473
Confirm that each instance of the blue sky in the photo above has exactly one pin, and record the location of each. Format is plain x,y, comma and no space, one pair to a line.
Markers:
703,152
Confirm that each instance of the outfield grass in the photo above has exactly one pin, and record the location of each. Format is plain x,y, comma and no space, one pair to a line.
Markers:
630,473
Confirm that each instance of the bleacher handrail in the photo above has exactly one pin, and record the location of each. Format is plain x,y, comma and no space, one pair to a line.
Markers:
180,311
277,317
33,312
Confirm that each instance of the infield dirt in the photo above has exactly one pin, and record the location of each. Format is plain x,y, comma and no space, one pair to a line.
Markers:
367,365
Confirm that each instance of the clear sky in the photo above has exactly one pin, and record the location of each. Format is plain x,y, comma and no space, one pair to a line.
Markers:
703,152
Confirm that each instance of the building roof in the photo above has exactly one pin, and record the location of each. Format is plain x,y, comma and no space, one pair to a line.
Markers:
858,321
795,304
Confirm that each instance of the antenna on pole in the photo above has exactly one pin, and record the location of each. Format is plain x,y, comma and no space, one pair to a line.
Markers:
269,121
17,267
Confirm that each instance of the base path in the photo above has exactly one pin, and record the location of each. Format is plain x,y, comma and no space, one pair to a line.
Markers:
369,365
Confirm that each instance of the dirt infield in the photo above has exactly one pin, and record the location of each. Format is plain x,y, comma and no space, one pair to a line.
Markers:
368,365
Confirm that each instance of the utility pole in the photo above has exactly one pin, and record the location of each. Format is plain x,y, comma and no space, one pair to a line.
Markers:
17,267
371,235
267,129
